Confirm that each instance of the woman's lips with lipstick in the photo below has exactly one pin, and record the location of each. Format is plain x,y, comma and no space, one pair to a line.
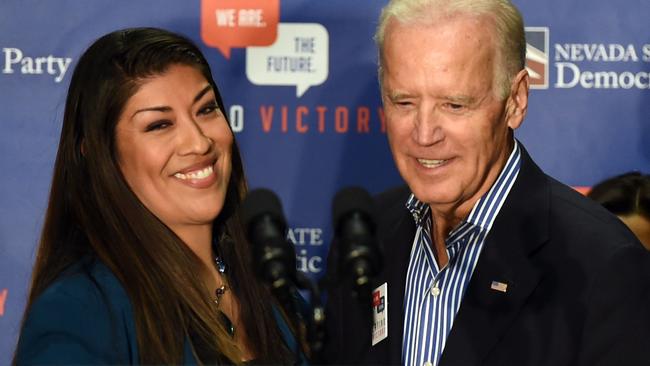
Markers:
198,177
197,174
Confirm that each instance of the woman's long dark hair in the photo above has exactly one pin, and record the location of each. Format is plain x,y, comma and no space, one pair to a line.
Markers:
92,212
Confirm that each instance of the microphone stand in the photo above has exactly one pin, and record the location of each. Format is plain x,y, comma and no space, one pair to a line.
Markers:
274,259
316,320
284,282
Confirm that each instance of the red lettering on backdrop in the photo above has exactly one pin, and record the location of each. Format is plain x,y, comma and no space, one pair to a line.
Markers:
341,120
267,117
3,299
363,117
382,119
284,111
300,111
321,117
582,189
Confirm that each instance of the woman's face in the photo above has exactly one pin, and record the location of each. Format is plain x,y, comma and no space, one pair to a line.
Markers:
174,148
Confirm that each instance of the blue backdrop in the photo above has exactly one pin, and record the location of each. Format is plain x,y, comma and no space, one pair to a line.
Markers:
305,103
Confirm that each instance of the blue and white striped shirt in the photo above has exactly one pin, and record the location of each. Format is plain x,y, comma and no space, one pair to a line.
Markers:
432,295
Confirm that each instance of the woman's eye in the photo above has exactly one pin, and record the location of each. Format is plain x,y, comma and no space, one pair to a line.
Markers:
208,109
158,125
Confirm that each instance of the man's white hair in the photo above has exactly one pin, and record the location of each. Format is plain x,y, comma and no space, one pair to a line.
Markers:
508,29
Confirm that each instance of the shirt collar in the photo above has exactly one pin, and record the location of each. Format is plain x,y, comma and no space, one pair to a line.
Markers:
418,209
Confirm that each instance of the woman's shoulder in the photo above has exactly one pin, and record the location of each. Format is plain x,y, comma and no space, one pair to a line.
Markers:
83,317
88,284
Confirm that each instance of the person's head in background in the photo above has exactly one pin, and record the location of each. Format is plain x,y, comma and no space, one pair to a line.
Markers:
120,194
628,197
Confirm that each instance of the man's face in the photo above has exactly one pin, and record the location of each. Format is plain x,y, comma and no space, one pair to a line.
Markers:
447,129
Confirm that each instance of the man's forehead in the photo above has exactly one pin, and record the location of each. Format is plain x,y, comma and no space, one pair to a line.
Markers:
452,43
479,27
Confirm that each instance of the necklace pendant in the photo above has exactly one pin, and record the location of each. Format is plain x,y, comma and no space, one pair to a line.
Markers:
230,327
221,266
219,293
221,290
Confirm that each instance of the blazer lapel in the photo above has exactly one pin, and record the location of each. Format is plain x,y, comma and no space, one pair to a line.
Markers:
503,277
398,250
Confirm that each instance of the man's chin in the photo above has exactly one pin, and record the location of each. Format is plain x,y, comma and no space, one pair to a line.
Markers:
431,195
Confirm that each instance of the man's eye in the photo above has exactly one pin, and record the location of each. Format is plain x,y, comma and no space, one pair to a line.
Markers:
455,107
158,125
403,103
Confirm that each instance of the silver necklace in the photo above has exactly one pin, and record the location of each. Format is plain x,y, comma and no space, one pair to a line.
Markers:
219,292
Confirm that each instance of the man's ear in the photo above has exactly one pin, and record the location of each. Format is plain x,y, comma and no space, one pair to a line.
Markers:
517,103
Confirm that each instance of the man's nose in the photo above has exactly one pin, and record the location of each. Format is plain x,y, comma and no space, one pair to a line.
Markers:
428,127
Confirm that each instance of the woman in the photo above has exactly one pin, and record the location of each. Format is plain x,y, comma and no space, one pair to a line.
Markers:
143,258
628,197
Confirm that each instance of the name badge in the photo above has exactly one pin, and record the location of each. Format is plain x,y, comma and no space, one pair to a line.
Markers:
379,314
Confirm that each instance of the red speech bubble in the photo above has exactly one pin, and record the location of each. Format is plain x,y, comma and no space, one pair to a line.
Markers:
239,23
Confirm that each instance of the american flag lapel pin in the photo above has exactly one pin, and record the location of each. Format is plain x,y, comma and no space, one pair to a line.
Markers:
499,286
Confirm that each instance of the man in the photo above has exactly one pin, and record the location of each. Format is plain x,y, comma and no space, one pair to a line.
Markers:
486,259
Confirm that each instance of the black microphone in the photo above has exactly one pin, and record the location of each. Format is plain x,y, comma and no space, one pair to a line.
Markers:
275,263
355,229
274,257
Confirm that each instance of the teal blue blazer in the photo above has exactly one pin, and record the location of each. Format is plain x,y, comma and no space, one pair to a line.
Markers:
85,317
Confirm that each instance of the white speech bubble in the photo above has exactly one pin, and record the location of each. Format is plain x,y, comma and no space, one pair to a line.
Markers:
299,56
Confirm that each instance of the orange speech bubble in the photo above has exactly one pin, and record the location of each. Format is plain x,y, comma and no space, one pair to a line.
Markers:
239,23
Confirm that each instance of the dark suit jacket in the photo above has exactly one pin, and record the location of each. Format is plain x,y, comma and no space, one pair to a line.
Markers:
578,286
85,318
